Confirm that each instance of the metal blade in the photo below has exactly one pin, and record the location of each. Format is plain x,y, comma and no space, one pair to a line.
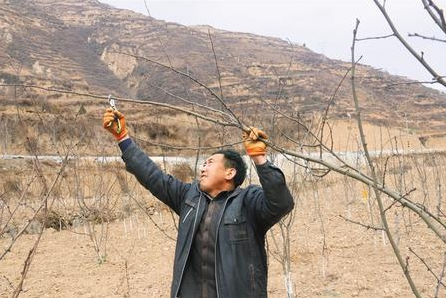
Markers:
111,101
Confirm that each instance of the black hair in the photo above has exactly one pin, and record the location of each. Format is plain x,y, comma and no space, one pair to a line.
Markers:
234,160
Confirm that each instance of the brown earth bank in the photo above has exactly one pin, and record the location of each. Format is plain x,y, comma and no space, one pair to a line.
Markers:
51,127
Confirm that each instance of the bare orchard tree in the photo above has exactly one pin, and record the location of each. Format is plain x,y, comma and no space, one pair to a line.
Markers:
431,216
25,206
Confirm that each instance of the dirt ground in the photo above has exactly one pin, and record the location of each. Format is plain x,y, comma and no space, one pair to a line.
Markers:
330,257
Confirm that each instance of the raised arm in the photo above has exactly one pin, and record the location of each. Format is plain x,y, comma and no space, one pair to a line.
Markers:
165,187
273,201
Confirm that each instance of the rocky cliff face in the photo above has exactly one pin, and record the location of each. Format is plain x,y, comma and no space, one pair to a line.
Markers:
76,45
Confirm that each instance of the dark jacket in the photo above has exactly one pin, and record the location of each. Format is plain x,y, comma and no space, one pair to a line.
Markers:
241,261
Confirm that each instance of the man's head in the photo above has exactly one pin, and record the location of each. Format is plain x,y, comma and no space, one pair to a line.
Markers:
223,170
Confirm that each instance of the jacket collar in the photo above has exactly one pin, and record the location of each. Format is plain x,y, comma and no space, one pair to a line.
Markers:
234,193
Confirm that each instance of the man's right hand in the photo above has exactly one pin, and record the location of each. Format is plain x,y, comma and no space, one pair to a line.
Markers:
110,123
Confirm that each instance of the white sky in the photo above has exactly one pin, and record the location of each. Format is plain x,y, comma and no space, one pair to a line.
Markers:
325,26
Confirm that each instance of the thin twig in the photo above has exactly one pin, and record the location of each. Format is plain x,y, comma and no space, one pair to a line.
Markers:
189,102
402,197
148,12
428,267
426,37
146,102
437,288
167,146
151,219
216,65
376,37
412,83
361,224
330,102
187,76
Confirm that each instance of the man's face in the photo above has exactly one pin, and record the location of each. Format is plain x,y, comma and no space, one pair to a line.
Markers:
213,174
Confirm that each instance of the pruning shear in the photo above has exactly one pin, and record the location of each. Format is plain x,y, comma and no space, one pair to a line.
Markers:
111,101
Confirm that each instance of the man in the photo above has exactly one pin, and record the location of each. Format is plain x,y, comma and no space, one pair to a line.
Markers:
220,249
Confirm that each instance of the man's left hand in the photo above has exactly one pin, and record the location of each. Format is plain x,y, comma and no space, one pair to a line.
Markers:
254,146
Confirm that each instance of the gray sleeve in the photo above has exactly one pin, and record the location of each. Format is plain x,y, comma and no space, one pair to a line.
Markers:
166,188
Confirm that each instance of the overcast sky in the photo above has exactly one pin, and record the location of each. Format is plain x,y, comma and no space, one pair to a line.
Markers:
325,26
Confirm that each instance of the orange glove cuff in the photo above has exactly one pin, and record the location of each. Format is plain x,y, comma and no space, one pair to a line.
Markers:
121,135
254,151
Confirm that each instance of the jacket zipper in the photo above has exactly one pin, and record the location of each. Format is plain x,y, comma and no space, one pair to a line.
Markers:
215,247
252,275
187,214
216,238
188,250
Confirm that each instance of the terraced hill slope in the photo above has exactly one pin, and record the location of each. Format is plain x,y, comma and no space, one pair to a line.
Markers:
75,45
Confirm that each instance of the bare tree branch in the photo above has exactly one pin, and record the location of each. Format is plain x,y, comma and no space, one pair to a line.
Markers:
187,76
374,176
426,37
330,102
151,219
147,102
167,146
191,102
397,201
413,83
408,47
361,224
438,18
216,67
429,269
437,288
148,12
375,37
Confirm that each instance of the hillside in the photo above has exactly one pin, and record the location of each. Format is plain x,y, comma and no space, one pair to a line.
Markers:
74,45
